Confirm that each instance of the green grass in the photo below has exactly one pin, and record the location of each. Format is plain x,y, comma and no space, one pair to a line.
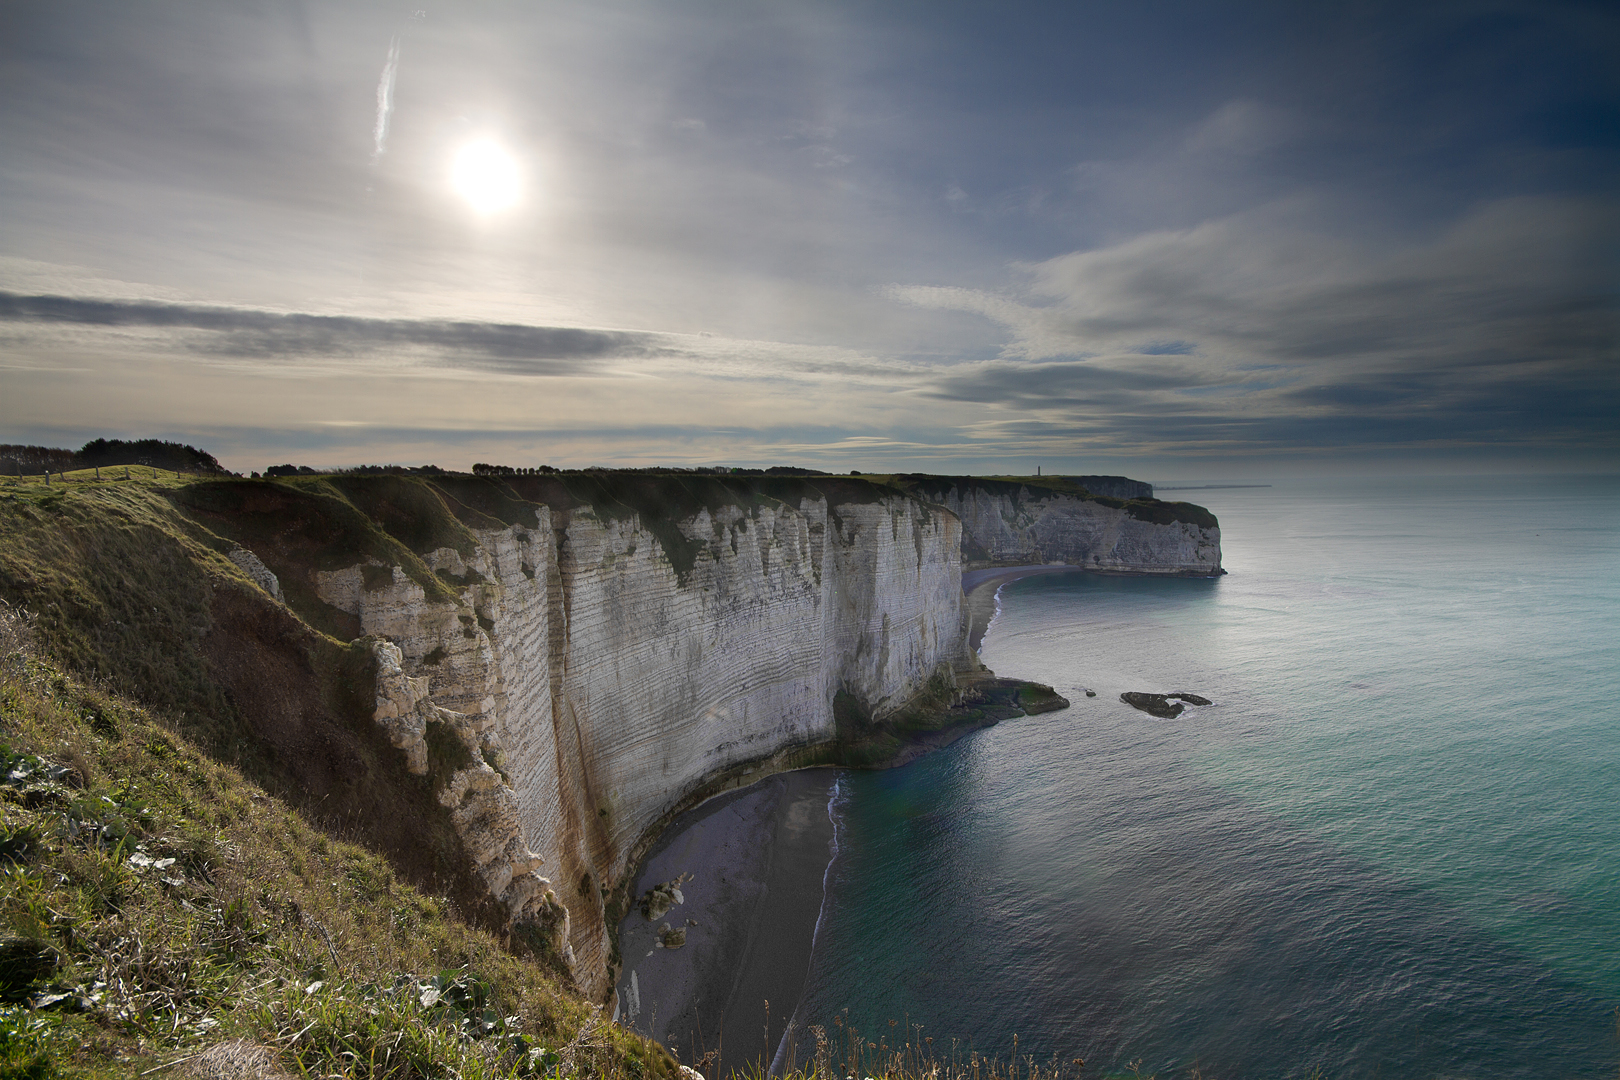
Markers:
153,902
305,524
904,1052
117,580
413,511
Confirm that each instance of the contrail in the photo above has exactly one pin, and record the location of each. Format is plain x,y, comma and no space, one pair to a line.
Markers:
385,98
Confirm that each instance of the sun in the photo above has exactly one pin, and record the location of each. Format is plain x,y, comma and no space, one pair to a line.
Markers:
487,176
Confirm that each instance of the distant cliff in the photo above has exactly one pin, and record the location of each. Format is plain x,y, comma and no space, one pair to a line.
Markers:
1056,520
1113,487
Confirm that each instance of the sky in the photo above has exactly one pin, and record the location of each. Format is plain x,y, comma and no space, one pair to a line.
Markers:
1172,240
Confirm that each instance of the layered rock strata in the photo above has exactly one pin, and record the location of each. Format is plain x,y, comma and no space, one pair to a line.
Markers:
593,689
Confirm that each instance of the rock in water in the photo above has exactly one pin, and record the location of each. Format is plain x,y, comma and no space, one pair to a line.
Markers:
1035,698
670,938
1158,705
1164,706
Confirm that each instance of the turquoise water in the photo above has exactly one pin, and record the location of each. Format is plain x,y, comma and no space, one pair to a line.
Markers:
1391,848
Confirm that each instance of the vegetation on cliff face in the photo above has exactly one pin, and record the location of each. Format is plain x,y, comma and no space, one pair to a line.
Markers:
659,500
946,710
154,904
321,523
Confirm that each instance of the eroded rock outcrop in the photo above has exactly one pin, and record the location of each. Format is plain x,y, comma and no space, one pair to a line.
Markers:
258,573
483,808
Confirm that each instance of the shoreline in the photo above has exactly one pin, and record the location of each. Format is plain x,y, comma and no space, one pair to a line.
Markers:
891,743
758,861
979,588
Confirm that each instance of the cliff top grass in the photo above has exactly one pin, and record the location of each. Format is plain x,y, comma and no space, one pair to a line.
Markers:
1159,512
660,500
155,904
330,521
674,495
293,524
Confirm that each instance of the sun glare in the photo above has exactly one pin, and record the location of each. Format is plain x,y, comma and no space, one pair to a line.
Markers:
486,175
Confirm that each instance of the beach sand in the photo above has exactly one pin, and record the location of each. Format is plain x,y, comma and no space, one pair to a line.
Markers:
757,859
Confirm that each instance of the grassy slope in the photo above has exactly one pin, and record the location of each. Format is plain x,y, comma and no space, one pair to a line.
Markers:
132,591
261,926
255,744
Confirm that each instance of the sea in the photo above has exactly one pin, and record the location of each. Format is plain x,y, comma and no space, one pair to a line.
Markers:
1390,847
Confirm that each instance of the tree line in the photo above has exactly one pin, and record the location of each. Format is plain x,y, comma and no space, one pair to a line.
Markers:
16,460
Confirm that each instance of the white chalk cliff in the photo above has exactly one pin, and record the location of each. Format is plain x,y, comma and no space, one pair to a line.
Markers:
1007,524
594,687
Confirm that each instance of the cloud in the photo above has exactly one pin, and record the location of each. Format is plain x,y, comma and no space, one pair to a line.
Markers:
385,99
1273,326
1243,127
512,348
1110,229
1065,383
1516,279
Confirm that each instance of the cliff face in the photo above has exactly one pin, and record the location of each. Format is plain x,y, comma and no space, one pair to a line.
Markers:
1007,523
592,686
